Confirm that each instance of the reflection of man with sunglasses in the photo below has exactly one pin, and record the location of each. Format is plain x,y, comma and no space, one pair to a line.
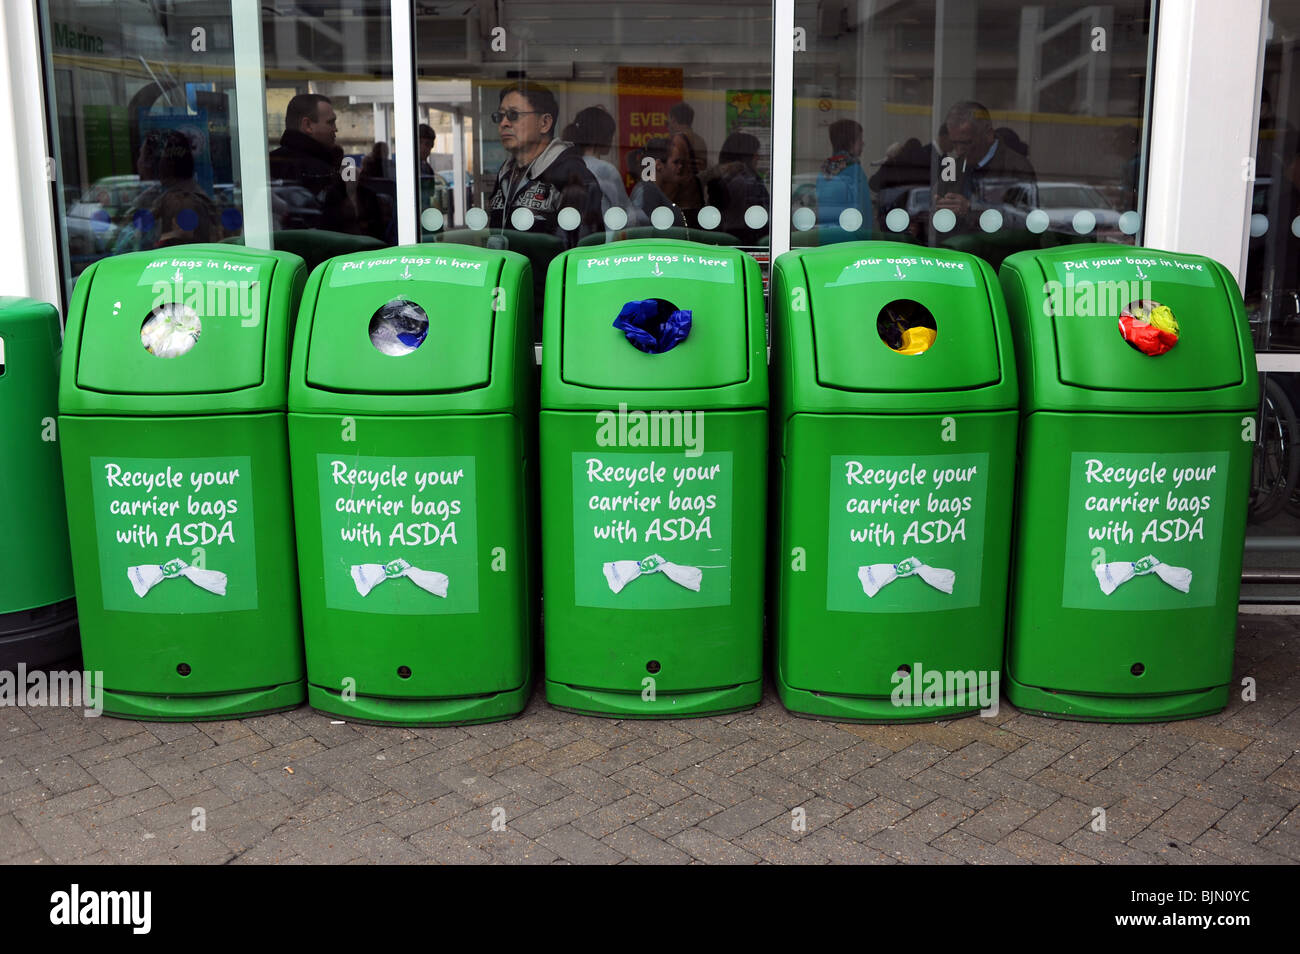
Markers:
543,175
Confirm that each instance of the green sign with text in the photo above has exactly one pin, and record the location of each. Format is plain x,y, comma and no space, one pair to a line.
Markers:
399,534
1144,530
652,531
906,533
175,534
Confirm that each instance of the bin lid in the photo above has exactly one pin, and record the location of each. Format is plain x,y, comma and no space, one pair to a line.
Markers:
201,309
707,281
862,294
1087,289
405,321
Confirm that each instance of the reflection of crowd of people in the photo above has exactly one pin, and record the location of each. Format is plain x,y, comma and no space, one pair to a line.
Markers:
968,169
547,173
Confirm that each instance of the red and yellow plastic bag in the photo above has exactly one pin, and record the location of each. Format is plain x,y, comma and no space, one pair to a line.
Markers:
1149,327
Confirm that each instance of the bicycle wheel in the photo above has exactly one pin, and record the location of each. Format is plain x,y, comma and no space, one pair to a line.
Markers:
1276,464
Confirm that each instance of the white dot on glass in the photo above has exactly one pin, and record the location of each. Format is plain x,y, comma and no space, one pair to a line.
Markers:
1129,222
709,217
1295,226
431,219
1084,221
804,218
756,216
662,218
615,218
522,219
568,218
1258,225
850,220
897,220
476,219
990,220
944,220
1037,221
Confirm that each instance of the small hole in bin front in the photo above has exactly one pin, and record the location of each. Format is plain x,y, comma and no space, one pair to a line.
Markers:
404,672
1137,669
652,666
905,669
183,669
906,326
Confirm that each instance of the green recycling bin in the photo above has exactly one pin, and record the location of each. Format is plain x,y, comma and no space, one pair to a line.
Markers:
1138,404
38,614
653,482
412,416
176,464
894,399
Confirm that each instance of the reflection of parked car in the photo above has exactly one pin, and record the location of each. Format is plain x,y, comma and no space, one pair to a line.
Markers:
917,202
1062,201
294,206
93,220
449,175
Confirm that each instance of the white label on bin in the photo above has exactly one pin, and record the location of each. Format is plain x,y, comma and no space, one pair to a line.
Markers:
186,271
445,269
669,263
1142,266
901,268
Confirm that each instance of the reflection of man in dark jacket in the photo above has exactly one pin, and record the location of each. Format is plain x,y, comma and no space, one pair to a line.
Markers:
543,175
983,166
307,155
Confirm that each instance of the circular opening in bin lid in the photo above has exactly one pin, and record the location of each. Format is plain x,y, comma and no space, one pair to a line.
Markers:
906,326
399,327
170,330
1149,327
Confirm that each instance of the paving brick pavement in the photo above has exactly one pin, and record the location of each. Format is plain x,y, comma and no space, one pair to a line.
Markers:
755,787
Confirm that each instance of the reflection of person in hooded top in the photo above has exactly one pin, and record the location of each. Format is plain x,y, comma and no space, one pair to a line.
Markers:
543,174
841,184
